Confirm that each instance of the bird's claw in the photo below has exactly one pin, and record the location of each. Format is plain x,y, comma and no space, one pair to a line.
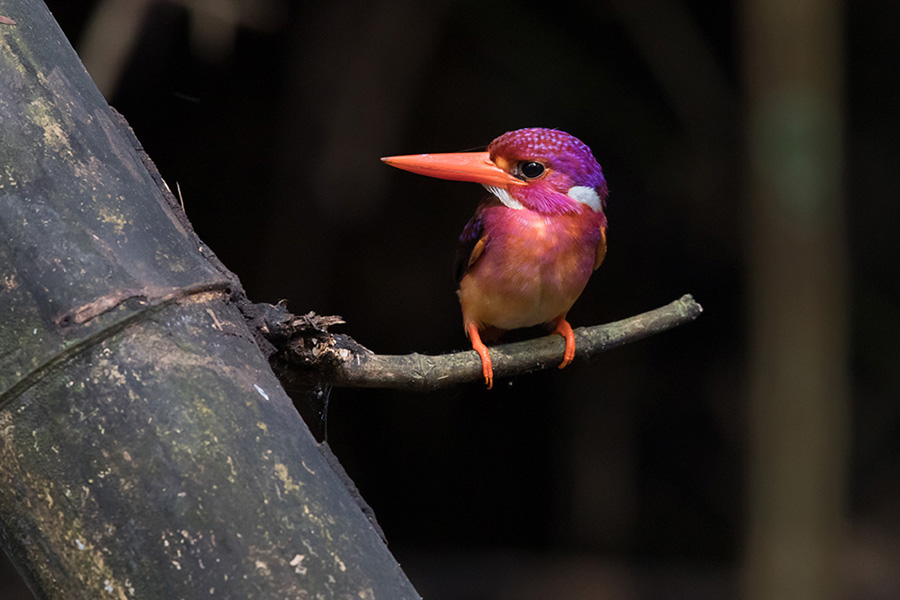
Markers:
487,368
488,375
564,329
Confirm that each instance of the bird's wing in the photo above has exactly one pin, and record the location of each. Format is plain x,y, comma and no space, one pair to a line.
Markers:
472,241
601,249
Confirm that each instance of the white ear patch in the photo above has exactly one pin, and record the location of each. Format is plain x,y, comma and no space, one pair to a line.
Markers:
509,201
585,195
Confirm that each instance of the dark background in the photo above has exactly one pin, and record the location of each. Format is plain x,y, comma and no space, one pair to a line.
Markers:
618,478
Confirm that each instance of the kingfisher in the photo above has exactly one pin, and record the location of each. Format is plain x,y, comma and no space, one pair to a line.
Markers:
527,253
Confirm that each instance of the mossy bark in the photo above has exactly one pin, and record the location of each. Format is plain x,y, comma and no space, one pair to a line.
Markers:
146,448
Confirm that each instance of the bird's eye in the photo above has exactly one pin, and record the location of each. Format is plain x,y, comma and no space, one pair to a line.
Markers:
532,169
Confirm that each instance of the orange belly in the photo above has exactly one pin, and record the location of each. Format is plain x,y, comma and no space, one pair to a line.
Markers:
532,270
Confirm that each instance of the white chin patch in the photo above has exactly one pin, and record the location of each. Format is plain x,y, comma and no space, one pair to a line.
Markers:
585,195
506,199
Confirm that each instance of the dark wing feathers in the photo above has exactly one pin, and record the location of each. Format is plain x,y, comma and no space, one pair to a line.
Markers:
472,242
601,250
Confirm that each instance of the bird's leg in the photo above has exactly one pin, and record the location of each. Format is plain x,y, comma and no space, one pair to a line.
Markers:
486,368
563,328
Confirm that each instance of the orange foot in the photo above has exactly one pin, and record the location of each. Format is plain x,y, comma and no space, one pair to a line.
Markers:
564,329
486,368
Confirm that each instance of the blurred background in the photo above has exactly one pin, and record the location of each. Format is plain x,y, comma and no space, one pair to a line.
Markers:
751,149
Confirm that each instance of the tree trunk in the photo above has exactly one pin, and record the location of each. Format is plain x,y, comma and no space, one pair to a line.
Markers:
146,448
799,400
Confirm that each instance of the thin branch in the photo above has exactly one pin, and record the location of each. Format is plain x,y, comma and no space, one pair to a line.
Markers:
338,360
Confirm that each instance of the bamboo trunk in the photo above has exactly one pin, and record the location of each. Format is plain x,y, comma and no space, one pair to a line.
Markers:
146,448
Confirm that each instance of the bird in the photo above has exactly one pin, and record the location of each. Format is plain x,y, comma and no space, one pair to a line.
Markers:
527,253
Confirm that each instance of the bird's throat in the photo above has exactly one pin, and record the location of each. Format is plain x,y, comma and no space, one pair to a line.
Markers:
505,197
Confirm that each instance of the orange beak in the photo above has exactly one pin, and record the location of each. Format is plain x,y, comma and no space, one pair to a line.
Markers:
457,166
